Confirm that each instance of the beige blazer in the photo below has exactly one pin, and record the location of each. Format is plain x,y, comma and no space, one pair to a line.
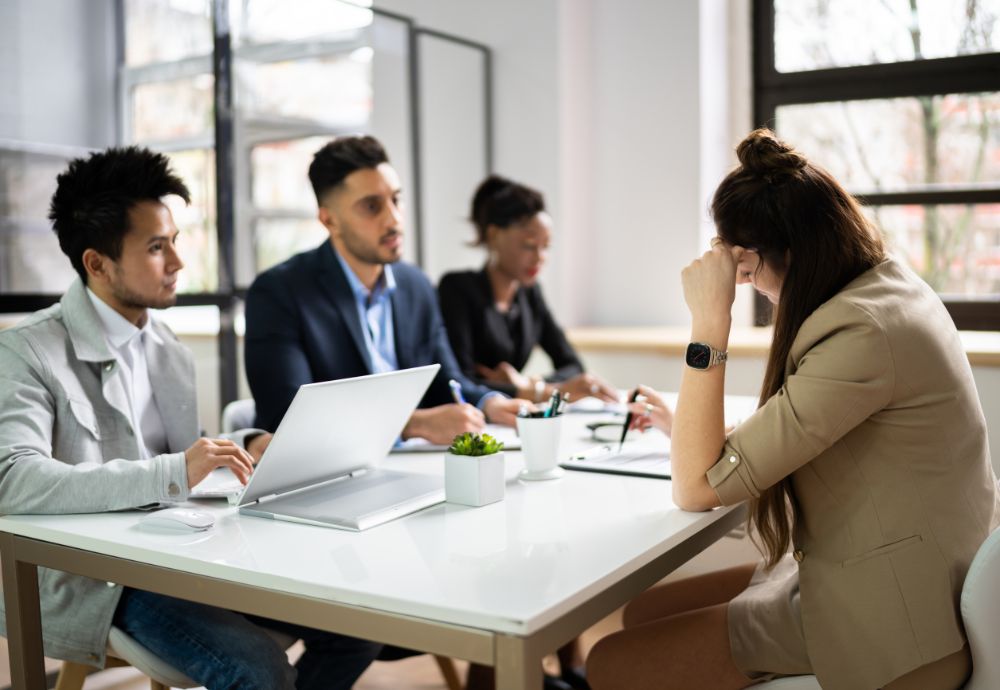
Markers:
880,427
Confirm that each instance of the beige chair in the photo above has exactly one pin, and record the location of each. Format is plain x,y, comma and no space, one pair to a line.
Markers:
980,607
123,650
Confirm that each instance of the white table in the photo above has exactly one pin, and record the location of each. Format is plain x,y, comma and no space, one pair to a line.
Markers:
500,585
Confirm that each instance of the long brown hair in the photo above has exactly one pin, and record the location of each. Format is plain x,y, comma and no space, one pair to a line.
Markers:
805,226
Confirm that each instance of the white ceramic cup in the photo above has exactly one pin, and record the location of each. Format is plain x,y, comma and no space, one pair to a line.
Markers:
540,440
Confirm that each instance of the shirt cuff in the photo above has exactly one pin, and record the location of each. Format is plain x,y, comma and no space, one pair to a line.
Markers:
173,479
730,477
481,405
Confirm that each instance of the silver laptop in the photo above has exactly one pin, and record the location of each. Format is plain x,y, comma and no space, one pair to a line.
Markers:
322,466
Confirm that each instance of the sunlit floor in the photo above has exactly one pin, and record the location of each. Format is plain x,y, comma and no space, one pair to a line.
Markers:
415,673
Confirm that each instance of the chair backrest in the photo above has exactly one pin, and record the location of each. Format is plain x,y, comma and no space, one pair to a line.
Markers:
239,414
981,614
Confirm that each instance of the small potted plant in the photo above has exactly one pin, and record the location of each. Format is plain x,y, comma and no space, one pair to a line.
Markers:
474,470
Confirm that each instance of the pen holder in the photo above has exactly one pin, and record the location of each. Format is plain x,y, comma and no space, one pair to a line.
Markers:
540,441
474,480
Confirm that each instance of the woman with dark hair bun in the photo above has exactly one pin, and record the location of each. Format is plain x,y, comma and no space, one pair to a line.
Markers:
865,467
496,316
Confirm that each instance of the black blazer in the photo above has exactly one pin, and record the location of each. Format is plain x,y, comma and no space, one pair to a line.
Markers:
302,326
479,334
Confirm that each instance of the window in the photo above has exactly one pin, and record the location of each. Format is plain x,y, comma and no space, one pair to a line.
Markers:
900,101
238,101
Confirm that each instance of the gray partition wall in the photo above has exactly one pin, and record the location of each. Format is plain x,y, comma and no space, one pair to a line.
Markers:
456,137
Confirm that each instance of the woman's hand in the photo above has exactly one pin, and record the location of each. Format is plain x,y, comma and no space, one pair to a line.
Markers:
710,283
582,385
503,372
649,410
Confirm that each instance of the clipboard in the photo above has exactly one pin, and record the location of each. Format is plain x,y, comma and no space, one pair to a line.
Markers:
639,460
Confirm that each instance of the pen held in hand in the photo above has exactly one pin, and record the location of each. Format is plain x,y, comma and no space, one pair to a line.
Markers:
628,420
456,391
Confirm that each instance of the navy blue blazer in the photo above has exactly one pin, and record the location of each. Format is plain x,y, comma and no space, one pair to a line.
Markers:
302,326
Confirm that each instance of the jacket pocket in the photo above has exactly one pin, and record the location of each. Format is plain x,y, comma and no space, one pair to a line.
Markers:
85,417
884,550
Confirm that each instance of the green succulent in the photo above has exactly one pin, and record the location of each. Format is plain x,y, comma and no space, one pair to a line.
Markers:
474,444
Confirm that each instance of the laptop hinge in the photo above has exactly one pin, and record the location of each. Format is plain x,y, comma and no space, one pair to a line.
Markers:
301,489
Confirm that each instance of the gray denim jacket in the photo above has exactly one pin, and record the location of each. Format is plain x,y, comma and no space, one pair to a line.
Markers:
67,446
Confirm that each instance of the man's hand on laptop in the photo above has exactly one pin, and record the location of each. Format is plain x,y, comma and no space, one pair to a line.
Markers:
443,423
257,445
500,410
208,453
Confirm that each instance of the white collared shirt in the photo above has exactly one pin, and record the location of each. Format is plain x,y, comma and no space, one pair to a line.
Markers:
127,343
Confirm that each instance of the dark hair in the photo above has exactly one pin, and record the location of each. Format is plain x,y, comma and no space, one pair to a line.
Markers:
502,202
89,209
802,223
339,158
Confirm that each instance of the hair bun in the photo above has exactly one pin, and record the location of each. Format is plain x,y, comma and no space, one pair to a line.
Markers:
762,153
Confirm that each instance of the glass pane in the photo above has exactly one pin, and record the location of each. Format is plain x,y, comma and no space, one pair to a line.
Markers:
267,21
900,143
955,248
276,239
817,34
30,258
198,243
58,102
280,174
181,108
288,90
166,30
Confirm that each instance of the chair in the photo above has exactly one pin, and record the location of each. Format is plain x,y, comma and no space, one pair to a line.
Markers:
123,650
980,608
239,414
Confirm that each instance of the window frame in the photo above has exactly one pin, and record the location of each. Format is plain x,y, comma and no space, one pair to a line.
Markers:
978,73
230,294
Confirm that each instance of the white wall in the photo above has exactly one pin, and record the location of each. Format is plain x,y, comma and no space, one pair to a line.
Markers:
522,34
625,114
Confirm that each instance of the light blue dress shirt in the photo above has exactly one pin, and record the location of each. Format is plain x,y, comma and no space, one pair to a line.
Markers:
375,312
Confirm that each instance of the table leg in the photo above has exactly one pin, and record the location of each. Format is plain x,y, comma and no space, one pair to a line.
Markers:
24,620
516,667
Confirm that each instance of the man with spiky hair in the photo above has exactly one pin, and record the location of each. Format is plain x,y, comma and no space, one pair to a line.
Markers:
99,414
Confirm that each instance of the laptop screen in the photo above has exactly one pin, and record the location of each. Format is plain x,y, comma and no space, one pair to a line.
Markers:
337,427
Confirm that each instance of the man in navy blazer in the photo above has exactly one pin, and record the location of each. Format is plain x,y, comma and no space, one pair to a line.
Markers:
350,307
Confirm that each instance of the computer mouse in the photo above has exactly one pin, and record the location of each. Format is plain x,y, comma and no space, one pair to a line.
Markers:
178,520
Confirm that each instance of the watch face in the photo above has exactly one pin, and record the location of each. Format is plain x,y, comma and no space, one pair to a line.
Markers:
698,356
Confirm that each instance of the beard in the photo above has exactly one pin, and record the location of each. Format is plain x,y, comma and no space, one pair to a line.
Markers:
131,299
373,254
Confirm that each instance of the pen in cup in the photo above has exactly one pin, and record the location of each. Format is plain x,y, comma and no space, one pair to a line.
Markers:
553,404
456,391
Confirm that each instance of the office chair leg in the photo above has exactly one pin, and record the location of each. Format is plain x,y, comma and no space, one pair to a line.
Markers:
156,685
450,673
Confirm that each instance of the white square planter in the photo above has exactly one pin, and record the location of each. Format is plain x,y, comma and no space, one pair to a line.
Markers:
474,481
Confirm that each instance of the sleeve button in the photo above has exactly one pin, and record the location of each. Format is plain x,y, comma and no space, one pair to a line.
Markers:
732,459
173,489
798,555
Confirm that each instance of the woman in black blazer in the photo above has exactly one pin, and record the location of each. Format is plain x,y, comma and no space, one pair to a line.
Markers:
496,316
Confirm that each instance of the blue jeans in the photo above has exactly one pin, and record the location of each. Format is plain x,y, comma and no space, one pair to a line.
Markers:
226,650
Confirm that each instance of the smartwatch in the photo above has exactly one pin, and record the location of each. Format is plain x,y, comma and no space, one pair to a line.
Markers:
703,356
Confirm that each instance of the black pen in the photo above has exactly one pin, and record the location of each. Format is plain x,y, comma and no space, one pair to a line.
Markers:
628,419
